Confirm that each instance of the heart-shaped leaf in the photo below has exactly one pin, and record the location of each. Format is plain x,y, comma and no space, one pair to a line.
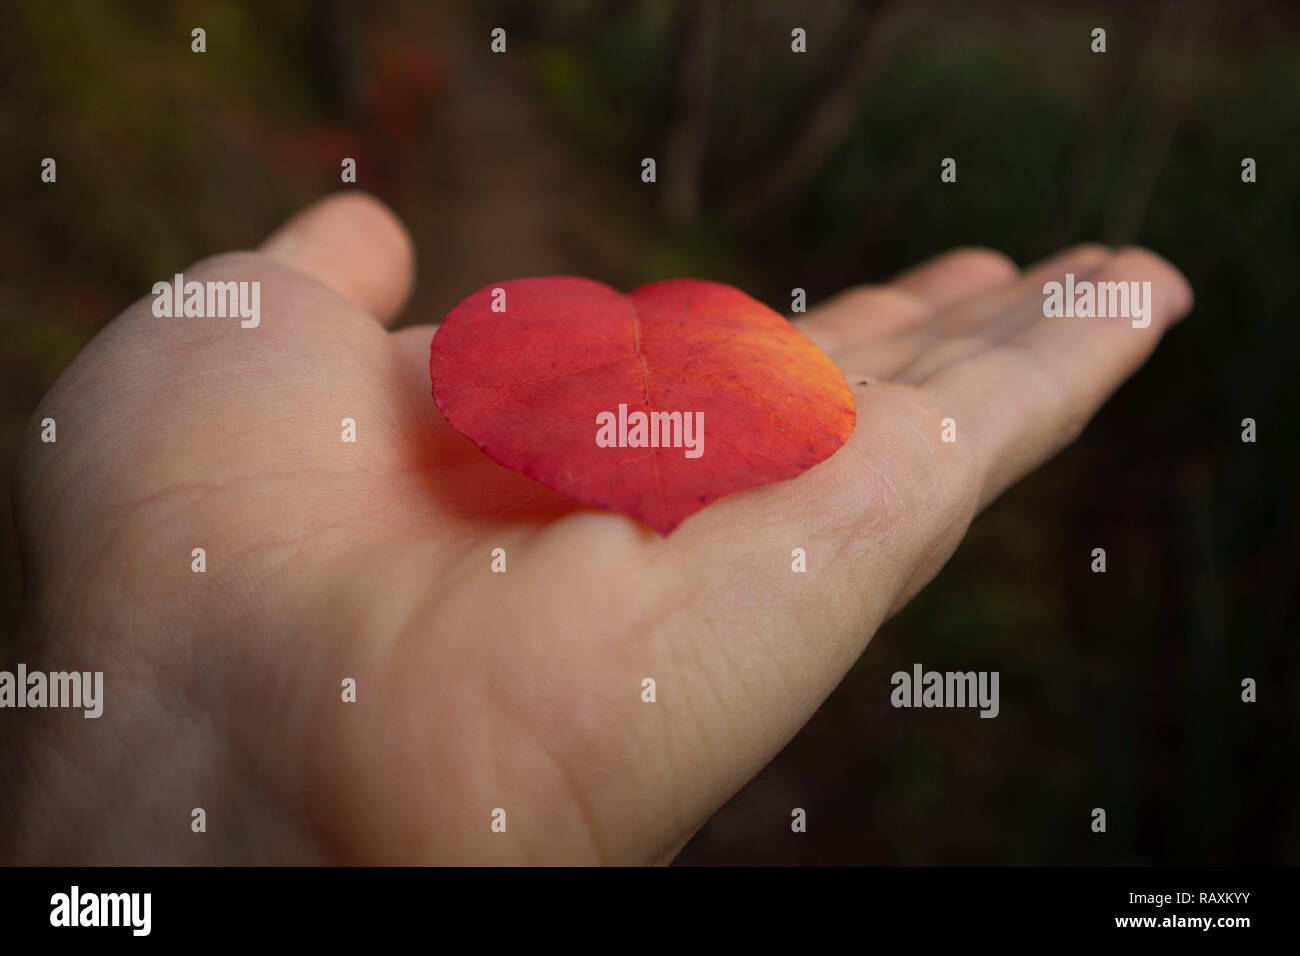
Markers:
652,404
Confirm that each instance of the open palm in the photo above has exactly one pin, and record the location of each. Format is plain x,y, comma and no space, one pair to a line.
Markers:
475,691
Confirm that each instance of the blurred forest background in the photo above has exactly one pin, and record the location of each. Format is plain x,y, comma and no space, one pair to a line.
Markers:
778,170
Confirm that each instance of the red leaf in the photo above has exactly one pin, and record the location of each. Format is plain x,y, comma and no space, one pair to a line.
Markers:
526,385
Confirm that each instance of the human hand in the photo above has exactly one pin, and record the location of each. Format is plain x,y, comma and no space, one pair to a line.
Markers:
475,690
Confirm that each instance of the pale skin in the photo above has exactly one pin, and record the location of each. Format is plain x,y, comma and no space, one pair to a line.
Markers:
475,690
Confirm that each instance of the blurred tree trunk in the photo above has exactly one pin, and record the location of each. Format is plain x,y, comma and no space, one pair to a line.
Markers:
688,138
828,121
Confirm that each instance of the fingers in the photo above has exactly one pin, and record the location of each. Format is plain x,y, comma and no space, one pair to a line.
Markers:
352,243
873,313
1025,398
956,275
982,320
999,313
865,322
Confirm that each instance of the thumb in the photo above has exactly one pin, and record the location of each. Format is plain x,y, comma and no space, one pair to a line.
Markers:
354,244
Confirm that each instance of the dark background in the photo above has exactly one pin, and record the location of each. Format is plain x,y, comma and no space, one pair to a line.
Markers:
778,170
